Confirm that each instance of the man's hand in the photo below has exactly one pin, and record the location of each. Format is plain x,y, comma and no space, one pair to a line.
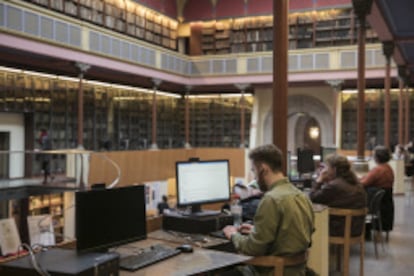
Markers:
229,230
245,228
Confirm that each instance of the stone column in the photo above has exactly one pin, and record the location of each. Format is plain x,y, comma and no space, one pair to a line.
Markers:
242,88
336,86
388,49
187,144
156,84
280,75
361,8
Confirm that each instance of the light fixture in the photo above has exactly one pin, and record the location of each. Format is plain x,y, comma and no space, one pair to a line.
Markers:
314,132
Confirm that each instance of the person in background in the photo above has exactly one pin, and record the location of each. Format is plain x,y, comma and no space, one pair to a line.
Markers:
284,220
45,144
163,205
382,177
337,186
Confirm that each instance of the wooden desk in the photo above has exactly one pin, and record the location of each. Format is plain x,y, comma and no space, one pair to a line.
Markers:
201,260
319,251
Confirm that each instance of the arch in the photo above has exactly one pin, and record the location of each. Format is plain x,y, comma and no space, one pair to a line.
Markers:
302,108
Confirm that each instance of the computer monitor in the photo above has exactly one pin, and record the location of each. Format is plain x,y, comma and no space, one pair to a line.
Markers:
305,163
108,218
325,151
201,182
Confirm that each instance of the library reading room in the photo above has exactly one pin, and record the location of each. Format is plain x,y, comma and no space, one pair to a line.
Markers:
206,137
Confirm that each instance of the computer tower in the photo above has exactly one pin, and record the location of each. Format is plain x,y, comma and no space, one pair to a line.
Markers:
195,224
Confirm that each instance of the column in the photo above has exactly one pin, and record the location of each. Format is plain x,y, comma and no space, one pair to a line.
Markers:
402,81
280,77
361,8
388,49
242,87
156,84
187,144
83,68
336,86
407,114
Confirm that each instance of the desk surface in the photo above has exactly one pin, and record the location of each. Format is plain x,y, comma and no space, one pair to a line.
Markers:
201,260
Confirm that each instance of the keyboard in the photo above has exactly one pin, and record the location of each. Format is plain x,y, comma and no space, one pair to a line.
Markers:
149,256
218,234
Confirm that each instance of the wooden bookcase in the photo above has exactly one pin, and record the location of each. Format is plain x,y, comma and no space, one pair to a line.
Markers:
323,28
121,16
53,205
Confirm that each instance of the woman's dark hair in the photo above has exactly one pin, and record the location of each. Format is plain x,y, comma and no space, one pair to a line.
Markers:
382,154
268,154
342,168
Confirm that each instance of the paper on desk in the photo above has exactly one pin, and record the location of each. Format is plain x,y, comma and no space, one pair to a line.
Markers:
41,230
9,236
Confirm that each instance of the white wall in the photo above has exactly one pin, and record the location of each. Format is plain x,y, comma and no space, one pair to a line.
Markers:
14,124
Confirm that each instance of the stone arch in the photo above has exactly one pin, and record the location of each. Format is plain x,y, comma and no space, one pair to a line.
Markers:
302,108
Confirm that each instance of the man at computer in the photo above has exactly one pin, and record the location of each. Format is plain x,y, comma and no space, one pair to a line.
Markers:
284,220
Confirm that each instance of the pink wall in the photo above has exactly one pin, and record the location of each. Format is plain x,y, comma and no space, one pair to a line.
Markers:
227,8
198,10
255,7
167,7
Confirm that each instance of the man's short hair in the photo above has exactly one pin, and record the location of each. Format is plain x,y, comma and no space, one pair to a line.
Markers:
268,154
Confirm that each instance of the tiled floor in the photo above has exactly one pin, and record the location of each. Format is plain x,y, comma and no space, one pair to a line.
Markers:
397,258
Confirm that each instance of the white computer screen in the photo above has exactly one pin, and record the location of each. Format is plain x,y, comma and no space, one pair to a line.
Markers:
202,182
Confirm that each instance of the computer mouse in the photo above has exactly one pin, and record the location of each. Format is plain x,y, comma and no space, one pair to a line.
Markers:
185,248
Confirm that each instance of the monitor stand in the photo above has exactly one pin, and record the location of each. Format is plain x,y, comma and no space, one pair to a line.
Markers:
196,211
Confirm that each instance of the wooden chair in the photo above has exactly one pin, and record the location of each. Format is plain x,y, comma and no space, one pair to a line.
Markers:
279,262
374,218
347,240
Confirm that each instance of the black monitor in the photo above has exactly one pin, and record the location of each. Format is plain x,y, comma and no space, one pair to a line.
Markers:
201,182
108,218
325,151
305,163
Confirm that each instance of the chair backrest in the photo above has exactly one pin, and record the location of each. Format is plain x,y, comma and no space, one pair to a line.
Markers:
348,214
375,202
279,262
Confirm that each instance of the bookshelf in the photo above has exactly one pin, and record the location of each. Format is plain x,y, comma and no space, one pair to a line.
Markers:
125,17
53,205
323,28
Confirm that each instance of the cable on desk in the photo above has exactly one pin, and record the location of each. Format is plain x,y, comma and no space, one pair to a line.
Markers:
33,260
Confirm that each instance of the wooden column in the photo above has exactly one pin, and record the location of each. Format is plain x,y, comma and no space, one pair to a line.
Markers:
400,112
82,67
187,144
156,83
407,115
280,75
388,49
402,73
336,86
361,9
242,87
242,122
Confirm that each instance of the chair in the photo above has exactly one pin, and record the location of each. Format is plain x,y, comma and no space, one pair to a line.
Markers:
279,262
347,240
374,218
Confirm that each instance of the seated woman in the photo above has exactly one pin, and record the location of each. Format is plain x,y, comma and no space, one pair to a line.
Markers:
382,177
337,186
